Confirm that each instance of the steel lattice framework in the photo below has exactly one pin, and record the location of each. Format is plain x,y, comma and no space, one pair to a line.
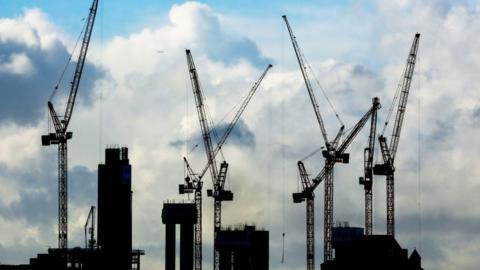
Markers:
61,135
193,182
388,153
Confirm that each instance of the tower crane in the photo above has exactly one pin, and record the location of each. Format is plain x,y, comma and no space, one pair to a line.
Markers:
308,195
61,135
387,168
90,231
309,186
330,154
193,182
367,179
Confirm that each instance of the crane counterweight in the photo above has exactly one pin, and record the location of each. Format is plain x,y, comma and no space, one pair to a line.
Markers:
193,181
61,135
333,153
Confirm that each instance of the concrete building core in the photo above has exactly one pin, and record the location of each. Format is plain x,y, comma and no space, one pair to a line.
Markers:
184,214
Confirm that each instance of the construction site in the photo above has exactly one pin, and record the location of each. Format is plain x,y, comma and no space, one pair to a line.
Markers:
193,237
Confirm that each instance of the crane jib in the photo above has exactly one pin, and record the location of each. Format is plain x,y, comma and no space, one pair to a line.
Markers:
311,94
80,64
61,136
343,147
402,103
236,118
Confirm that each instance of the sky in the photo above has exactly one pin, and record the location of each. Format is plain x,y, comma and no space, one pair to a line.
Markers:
135,92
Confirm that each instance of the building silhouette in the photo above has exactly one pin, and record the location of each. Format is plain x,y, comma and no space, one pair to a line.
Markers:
243,248
184,214
114,250
115,208
354,250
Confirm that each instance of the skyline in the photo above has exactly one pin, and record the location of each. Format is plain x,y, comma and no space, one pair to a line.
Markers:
132,95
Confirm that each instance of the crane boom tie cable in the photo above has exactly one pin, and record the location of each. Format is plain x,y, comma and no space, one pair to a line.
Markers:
222,120
322,89
54,92
394,101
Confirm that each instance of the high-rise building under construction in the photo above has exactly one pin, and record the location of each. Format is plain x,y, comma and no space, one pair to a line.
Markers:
115,208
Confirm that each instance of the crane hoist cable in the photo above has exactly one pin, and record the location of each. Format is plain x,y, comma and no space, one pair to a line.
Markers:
419,154
100,92
283,143
283,183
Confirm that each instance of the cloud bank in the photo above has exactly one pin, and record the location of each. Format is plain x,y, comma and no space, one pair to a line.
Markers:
146,103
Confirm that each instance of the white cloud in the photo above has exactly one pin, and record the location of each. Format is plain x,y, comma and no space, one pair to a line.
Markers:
158,86
19,145
32,29
32,56
18,32
19,64
147,104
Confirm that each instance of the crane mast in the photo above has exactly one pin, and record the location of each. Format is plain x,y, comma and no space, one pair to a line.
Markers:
331,159
367,179
207,141
61,134
330,154
388,153
310,215
202,116
193,182
309,186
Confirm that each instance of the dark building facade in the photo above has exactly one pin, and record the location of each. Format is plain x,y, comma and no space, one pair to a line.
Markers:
245,248
115,208
184,214
114,234
354,250
73,259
